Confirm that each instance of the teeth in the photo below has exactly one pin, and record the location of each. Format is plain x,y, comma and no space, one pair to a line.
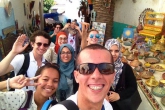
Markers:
48,90
96,87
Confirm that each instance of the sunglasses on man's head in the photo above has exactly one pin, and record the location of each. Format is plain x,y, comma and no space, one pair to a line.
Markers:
89,68
39,44
96,35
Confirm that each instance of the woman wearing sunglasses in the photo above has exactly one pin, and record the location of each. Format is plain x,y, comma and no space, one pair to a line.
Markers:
122,70
47,84
89,36
67,65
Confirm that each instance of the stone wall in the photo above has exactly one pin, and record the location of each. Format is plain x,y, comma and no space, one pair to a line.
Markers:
105,15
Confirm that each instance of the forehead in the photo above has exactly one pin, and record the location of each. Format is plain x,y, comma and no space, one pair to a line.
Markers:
41,39
62,36
50,72
58,26
93,32
73,23
94,56
114,47
65,49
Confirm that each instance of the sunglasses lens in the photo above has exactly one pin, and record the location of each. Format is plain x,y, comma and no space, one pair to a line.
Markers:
97,36
89,68
39,44
46,45
91,35
86,68
106,68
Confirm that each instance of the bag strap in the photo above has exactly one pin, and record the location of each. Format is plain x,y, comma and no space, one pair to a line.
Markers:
48,103
25,65
26,104
69,104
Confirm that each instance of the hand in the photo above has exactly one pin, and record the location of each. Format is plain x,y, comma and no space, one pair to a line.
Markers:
77,27
21,81
18,44
113,96
85,26
107,98
67,25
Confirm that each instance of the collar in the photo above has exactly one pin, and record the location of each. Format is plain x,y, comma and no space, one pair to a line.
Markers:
32,59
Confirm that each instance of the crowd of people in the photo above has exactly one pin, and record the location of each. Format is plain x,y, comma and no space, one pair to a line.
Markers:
66,64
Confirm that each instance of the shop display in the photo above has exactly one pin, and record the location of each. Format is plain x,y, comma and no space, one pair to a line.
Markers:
147,70
158,91
158,67
146,74
151,60
152,82
163,100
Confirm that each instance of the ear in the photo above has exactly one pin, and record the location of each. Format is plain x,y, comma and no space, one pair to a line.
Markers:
76,73
32,44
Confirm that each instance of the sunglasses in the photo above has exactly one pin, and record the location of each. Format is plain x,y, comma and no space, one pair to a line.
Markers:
39,44
89,68
96,35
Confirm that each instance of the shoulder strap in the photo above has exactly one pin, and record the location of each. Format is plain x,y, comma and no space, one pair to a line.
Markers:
25,65
69,104
26,104
48,103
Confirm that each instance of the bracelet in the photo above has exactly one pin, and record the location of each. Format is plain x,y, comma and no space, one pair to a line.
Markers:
8,82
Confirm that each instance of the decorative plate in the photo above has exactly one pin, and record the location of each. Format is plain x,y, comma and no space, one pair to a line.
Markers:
158,67
151,60
158,91
8,8
163,100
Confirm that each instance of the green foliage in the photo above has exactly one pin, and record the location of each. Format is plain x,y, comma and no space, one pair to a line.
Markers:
47,5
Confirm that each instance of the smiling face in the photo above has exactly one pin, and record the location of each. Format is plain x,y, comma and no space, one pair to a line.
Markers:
62,39
65,55
40,49
49,82
92,38
114,51
94,87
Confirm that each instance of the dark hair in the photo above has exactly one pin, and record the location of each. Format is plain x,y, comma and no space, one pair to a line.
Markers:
58,23
46,66
68,21
40,33
94,47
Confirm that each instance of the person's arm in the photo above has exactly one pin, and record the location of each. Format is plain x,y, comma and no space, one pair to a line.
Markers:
18,82
79,32
66,26
17,48
85,27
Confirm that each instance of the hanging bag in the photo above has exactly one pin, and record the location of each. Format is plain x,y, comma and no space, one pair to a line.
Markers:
131,103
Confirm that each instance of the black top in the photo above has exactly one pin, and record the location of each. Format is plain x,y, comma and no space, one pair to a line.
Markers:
130,85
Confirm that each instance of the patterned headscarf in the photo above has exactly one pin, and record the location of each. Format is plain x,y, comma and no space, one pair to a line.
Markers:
118,63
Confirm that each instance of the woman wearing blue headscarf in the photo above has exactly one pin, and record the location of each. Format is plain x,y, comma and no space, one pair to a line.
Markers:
67,65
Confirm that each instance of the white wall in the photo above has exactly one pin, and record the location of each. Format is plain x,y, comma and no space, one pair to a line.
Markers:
71,9
19,11
128,12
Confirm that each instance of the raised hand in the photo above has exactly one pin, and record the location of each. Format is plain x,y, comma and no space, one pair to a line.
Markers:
21,81
19,45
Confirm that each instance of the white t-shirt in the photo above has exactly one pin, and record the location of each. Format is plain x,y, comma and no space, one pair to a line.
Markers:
71,41
106,104
17,63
